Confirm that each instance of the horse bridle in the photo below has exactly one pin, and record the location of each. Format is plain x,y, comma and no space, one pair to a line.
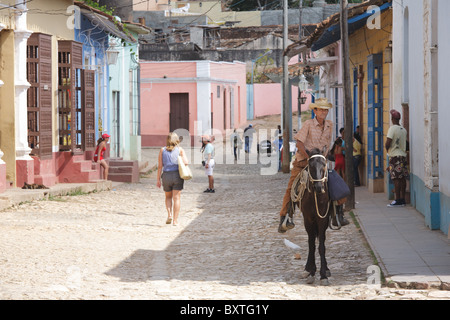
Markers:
325,177
323,180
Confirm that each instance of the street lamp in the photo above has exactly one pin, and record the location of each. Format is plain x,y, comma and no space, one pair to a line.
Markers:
303,84
112,53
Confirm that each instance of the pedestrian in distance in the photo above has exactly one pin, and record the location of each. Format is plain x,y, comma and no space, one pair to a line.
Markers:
236,144
208,161
357,157
99,155
338,151
248,137
396,147
169,175
278,145
315,133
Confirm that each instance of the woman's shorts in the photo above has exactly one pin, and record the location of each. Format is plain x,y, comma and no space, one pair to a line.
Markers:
171,180
210,169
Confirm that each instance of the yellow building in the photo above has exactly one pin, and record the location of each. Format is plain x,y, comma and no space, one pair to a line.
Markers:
370,35
371,60
21,22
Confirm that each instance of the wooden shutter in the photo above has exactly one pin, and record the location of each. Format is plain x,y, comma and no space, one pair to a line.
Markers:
69,66
88,109
39,95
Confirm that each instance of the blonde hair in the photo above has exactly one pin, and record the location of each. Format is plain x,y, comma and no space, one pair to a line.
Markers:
172,141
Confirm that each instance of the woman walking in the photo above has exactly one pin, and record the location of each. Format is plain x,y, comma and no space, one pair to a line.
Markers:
100,152
170,177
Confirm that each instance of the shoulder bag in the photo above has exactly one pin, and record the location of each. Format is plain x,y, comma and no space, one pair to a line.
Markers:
184,170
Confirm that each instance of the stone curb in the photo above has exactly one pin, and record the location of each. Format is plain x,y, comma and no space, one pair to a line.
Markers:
16,196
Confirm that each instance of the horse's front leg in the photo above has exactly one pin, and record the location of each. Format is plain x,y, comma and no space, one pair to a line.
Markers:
310,267
324,271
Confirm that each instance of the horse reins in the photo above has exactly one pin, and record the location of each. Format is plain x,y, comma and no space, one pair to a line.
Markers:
323,180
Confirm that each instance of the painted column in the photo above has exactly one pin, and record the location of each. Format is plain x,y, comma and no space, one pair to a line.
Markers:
2,173
2,163
25,164
431,138
203,98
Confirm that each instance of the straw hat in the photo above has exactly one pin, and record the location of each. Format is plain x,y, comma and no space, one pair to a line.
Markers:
321,103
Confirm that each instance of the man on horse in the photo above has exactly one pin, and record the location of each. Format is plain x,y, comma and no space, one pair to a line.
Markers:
315,133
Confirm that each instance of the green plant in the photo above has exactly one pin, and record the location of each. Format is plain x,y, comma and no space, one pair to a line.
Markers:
95,5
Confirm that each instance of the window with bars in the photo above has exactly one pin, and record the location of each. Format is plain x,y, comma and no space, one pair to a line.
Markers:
39,95
76,100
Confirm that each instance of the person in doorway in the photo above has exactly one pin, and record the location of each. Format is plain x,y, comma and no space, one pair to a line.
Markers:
99,155
398,166
315,133
357,135
170,177
208,154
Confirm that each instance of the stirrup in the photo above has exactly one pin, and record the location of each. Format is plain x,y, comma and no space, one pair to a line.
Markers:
334,217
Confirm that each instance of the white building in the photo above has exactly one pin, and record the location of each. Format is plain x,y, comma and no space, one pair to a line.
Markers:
421,92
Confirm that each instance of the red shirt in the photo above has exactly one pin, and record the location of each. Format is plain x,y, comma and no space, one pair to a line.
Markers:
101,153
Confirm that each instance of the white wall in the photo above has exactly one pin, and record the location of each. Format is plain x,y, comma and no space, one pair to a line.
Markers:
444,96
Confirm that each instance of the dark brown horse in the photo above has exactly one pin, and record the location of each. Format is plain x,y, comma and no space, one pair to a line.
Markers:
316,208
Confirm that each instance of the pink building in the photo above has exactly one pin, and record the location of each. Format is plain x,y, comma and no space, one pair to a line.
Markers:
193,95
268,99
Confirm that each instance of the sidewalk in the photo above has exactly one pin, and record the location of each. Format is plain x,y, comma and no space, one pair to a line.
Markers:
15,196
409,253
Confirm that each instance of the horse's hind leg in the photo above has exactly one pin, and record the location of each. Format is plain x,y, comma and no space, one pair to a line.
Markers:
324,271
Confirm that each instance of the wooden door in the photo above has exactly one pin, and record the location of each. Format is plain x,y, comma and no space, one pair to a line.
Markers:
179,111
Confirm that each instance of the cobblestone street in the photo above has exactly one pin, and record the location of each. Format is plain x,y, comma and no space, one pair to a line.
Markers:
115,245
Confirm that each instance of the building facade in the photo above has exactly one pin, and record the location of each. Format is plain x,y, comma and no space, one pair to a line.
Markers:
198,96
420,48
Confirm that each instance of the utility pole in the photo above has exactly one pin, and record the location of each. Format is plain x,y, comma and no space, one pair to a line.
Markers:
348,112
299,116
285,165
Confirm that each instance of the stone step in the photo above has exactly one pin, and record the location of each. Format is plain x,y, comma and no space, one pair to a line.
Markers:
122,177
121,169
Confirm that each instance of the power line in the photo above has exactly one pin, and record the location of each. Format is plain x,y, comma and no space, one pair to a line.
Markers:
14,6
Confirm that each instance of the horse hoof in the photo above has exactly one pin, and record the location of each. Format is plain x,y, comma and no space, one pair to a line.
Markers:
324,282
304,275
310,280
